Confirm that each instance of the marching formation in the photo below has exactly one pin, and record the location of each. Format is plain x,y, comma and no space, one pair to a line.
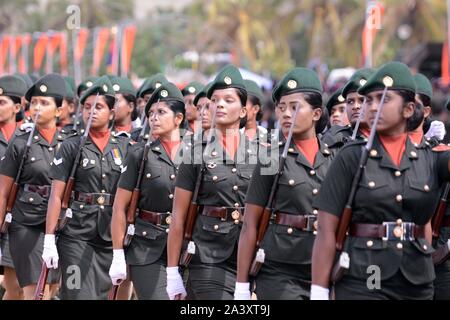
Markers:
108,191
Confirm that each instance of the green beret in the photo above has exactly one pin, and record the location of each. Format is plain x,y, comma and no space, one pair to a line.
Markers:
201,93
254,90
26,78
357,80
165,92
153,83
395,75
50,85
423,85
228,77
86,84
12,86
69,88
102,85
192,88
144,83
123,85
335,99
297,80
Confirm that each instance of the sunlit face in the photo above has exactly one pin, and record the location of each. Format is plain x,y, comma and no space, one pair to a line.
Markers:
338,115
191,110
123,109
8,109
203,107
306,118
101,114
227,107
252,110
394,113
162,119
46,106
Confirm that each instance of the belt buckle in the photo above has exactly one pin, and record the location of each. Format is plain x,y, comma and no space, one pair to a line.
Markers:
101,200
311,223
408,231
387,226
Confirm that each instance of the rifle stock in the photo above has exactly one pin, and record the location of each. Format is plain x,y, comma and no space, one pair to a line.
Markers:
40,287
188,231
440,212
9,206
112,294
131,215
259,253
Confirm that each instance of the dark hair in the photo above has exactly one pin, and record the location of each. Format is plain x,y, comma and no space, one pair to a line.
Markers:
15,100
243,122
242,94
256,102
177,107
130,98
416,119
58,101
110,101
315,100
426,101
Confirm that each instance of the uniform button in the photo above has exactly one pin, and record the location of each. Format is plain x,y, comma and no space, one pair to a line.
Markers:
81,207
369,243
172,176
397,173
237,205
148,175
103,159
156,149
103,176
373,153
236,221
399,198
235,188
234,170
249,150
399,246
426,188
59,137
290,230
170,196
146,136
102,207
214,153
214,178
416,145
315,191
31,199
371,184
103,191
50,149
33,159
425,247
413,154
326,151
399,221
315,211
92,161
144,233
36,137
312,172
291,182
216,227
291,149
167,230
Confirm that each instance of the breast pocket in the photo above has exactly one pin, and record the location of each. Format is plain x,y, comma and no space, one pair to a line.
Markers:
421,198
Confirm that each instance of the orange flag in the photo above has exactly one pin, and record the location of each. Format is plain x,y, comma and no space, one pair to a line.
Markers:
63,54
4,52
82,38
445,65
23,57
129,35
99,48
39,51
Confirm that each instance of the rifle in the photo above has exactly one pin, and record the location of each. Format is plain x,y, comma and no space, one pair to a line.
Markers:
259,256
343,260
142,133
133,210
440,212
15,187
193,207
40,287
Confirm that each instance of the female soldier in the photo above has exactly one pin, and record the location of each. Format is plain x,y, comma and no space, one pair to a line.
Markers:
26,232
85,242
289,239
146,256
12,88
125,110
227,169
390,231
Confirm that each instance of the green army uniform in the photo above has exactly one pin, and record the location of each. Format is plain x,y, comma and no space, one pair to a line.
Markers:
125,86
27,229
288,242
86,239
385,194
146,255
11,86
338,136
212,271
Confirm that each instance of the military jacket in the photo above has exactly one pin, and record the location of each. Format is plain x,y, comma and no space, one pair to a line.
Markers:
386,193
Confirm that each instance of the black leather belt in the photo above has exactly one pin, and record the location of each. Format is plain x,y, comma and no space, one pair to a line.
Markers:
156,218
43,191
305,222
224,213
398,230
102,199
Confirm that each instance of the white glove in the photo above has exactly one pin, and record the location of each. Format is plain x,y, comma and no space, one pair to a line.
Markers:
50,253
27,126
118,269
242,291
319,293
175,284
437,129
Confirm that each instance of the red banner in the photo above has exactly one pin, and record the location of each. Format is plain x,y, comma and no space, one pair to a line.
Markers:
129,35
40,48
5,41
99,48
82,37
63,54
445,65
23,57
